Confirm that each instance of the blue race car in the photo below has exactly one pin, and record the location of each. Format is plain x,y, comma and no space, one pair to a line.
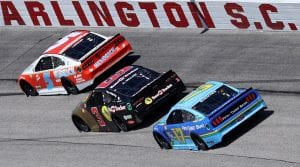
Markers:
201,119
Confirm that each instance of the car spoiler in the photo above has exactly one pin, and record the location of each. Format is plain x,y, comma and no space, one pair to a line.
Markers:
158,89
234,101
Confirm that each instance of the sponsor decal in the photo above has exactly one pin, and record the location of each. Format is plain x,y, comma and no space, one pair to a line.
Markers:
235,110
131,122
148,100
105,112
79,78
191,128
126,117
161,92
116,108
138,102
104,57
129,106
64,72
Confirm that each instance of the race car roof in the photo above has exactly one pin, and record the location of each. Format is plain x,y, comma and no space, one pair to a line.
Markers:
114,77
199,94
66,42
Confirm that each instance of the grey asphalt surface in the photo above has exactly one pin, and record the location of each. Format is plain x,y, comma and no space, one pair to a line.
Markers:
37,131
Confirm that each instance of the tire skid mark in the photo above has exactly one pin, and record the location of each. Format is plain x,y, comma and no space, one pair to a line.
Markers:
259,158
45,142
70,143
39,41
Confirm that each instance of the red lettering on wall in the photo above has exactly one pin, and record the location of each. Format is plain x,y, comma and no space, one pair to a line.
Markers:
149,7
61,19
241,21
104,13
35,10
197,15
264,8
80,13
128,19
10,13
169,7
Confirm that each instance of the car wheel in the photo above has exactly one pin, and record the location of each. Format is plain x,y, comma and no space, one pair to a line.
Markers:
201,145
28,89
69,86
121,124
80,124
162,142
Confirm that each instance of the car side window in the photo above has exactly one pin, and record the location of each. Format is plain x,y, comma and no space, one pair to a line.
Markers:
45,63
187,116
180,116
175,117
107,98
57,62
95,99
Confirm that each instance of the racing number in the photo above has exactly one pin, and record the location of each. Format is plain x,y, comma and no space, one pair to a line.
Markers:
49,82
99,118
178,135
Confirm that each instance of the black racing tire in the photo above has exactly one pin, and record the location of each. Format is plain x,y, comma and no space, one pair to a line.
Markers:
80,124
121,124
69,86
162,142
201,145
28,89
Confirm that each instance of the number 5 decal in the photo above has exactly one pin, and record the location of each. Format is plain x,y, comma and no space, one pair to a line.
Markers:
48,80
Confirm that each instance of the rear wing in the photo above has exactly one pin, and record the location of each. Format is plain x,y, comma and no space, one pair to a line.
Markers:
234,105
156,91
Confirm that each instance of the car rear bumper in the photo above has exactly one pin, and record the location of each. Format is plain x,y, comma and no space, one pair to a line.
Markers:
216,136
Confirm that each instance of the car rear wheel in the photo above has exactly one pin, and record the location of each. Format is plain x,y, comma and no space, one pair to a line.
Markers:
28,89
69,86
121,124
201,145
162,142
80,124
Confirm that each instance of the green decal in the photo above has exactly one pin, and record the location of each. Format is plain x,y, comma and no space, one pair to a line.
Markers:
129,106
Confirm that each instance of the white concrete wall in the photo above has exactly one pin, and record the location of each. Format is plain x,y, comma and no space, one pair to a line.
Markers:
274,15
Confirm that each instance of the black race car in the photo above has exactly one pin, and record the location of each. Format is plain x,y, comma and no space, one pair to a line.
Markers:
125,99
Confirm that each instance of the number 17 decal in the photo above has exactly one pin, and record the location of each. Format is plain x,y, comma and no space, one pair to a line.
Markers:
178,135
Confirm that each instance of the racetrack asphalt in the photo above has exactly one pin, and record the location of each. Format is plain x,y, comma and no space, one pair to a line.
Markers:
38,131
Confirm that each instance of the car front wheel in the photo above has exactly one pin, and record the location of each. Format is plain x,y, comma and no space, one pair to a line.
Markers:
80,124
28,89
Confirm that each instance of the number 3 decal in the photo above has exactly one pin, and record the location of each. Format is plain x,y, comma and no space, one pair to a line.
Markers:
48,80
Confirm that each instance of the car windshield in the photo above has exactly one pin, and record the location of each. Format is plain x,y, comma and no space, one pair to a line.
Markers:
83,46
214,100
133,81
